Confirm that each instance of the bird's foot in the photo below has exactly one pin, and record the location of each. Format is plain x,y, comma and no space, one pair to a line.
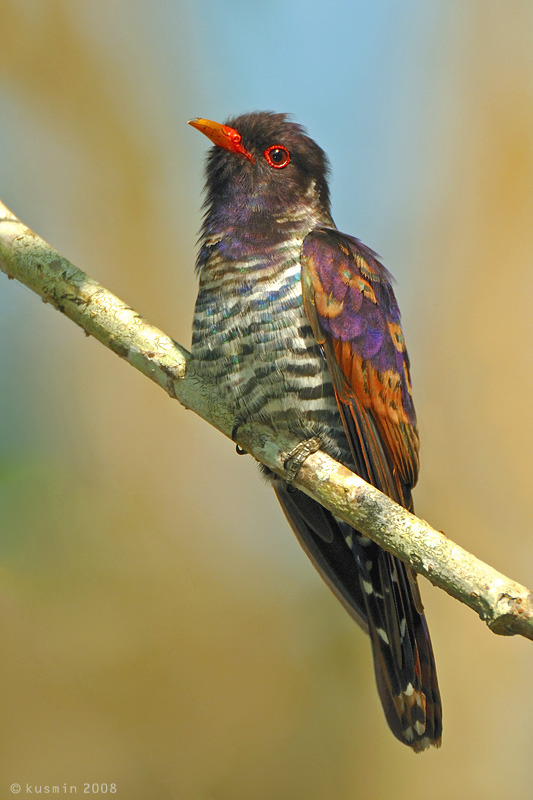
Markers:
295,458
239,450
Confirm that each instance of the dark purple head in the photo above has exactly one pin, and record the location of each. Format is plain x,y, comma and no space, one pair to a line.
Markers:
263,163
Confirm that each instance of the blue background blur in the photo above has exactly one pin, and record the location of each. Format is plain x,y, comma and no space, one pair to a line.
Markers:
161,628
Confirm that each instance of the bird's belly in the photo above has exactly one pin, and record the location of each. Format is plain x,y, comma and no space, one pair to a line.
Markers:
265,360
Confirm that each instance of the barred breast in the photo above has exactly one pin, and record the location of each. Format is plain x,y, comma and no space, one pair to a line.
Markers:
252,337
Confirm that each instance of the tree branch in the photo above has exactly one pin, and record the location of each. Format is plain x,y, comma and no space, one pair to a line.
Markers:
506,606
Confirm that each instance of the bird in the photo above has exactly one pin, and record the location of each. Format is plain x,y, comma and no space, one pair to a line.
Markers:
297,326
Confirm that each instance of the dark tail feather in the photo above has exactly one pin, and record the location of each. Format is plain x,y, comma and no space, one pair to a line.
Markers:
405,669
379,593
318,531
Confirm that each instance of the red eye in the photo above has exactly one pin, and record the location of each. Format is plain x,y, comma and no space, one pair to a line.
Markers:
277,156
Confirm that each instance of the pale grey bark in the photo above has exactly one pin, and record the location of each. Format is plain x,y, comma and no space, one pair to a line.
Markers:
506,606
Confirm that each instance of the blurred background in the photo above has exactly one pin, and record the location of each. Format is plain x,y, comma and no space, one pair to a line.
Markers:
161,628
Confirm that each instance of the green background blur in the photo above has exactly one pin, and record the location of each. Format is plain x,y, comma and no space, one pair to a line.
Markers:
160,626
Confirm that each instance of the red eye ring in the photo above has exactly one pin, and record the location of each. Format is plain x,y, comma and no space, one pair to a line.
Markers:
277,156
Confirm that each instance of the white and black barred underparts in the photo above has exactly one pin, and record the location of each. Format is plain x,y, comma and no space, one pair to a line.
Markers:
254,341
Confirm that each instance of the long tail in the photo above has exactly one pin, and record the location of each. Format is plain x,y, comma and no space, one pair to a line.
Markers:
380,592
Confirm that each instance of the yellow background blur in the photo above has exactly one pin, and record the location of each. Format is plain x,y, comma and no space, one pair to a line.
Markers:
160,627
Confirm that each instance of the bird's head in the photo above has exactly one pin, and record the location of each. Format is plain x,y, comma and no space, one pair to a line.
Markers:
263,163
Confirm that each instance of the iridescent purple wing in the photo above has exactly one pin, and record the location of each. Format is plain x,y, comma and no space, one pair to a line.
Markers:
350,304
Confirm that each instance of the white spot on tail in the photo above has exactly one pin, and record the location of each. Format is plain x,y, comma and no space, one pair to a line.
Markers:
408,734
383,635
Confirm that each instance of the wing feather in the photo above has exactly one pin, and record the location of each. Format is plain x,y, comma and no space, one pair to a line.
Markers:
350,304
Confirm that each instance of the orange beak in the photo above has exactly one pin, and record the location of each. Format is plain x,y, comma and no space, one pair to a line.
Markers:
222,136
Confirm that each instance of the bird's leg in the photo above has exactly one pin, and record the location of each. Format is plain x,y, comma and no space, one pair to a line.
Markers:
295,458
